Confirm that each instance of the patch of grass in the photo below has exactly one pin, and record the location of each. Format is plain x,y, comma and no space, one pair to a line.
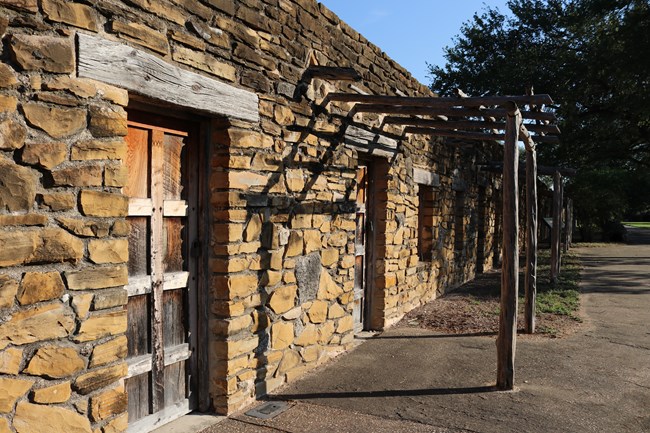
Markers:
639,225
562,298
548,330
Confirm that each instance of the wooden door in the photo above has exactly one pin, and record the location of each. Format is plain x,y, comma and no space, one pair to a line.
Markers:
360,243
162,277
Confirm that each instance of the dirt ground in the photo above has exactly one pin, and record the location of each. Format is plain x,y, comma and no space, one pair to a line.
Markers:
473,309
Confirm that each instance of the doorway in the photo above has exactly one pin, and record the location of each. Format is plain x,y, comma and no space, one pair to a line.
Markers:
162,187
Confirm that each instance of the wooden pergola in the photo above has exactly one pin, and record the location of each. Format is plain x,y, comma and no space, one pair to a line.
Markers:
485,118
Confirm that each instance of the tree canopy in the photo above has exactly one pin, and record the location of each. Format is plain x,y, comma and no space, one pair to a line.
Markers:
593,58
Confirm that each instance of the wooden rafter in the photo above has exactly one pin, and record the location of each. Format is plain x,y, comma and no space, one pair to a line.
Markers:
435,102
446,111
482,136
463,124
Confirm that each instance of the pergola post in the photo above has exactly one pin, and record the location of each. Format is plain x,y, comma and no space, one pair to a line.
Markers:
569,225
507,340
557,227
531,238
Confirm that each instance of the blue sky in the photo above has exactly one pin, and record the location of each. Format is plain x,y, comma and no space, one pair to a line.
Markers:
412,32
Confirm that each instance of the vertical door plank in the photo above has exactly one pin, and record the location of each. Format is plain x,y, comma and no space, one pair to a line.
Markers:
173,317
157,159
172,178
173,257
138,246
137,388
175,383
360,248
138,163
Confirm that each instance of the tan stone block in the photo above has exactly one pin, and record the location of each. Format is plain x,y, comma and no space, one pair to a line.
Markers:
205,62
87,175
289,277
40,286
108,251
121,228
336,311
253,228
10,391
295,179
318,312
104,204
271,278
312,239
109,352
95,149
97,277
111,93
12,134
260,321
36,418
117,425
7,76
325,332
53,394
283,299
4,426
228,232
10,360
102,325
233,326
347,261
311,353
308,336
43,322
8,290
327,287
238,285
57,122
338,239
79,15
345,324
244,180
99,378
283,115
108,122
52,54
47,155
246,139
290,360
105,299
142,35
281,335
329,256
116,175
108,403
17,187
58,201
17,247
78,86
55,362
295,246
84,227
234,348
81,304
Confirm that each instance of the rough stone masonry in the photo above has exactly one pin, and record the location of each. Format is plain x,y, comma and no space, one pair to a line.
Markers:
280,225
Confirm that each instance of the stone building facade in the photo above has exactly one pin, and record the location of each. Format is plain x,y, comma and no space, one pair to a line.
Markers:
186,224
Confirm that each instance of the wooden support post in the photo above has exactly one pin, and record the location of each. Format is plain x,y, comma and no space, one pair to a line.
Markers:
557,227
569,225
531,239
507,340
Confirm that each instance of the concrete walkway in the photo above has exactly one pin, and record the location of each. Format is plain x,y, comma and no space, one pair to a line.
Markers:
410,380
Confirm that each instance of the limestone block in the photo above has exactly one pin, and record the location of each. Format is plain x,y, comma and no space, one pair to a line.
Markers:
295,245
104,204
40,286
117,424
99,378
17,187
238,285
295,180
338,239
283,299
4,424
84,227
8,104
308,273
335,311
109,250
111,351
311,353
57,122
329,256
142,35
347,261
52,54
102,325
55,362
10,360
55,245
326,331
312,239
290,360
12,134
108,403
110,298
205,62
7,76
36,418
88,175
283,115
96,149
10,391
8,289
308,336
281,335
57,201
345,324
247,139
271,278
253,229
318,312
78,86
116,175
30,219
327,288
81,304
47,155
53,394
78,15
121,228
234,348
107,121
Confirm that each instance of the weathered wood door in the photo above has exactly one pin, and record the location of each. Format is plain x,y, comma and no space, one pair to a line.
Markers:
162,276
360,243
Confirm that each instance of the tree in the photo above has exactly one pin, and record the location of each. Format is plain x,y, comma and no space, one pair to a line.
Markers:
592,57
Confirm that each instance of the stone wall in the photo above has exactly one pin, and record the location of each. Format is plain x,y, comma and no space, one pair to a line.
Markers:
281,193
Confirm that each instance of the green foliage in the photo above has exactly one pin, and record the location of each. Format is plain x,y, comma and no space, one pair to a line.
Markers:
639,225
592,57
562,298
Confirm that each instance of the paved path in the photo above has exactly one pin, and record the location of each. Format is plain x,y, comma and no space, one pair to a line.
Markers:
410,380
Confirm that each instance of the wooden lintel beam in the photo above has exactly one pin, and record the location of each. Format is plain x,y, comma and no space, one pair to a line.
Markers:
333,73
406,101
445,111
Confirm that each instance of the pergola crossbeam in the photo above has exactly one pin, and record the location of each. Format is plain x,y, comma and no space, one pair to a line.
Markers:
463,124
447,111
436,102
